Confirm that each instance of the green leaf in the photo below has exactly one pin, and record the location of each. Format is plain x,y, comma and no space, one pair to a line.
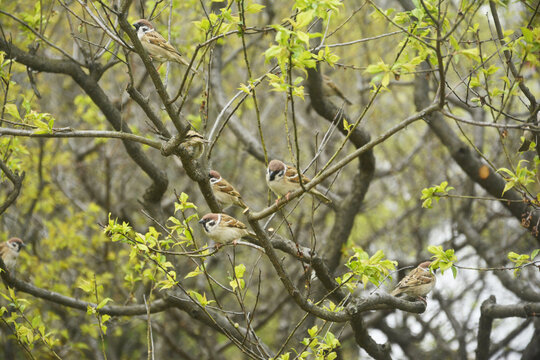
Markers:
454,43
239,271
86,286
471,54
527,34
194,273
12,110
103,303
304,18
254,8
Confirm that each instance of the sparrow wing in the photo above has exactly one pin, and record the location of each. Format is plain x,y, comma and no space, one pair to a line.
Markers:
224,186
155,38
232,222
292,176
415,278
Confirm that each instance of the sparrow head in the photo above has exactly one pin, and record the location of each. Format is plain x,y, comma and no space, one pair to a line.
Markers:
143,26
276,170
15,244
210,221
425,265
214,176
194,137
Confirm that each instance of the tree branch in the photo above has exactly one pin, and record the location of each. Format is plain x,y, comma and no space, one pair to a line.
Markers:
16,180
70,133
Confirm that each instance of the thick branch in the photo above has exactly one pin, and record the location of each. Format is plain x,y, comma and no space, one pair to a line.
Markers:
363,339
517,310
16,180
484,331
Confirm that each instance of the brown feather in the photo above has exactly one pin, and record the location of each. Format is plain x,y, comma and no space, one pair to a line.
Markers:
232,222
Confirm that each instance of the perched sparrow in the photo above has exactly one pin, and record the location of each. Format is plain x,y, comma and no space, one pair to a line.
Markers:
331,89
157,47
9,251
194,143
223,228
418,283
283,180
224,192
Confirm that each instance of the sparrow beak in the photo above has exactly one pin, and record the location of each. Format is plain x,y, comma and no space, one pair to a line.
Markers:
135,26
201,221
23,244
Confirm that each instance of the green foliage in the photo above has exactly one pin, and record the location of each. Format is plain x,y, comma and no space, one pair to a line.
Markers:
366,269
292,48
200,298
147,247
147,259
444,259
320,347
529,46
434,192
522,259
237,281
182,228
93,289
30,329
520,178
4,67
332,307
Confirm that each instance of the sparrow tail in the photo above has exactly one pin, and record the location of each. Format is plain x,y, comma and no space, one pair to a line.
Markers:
180,59
320,196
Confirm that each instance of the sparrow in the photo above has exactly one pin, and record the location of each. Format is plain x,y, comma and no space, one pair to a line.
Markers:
283,179
194,143
224,192
9,251
418,283
155,45
223,228
331,89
